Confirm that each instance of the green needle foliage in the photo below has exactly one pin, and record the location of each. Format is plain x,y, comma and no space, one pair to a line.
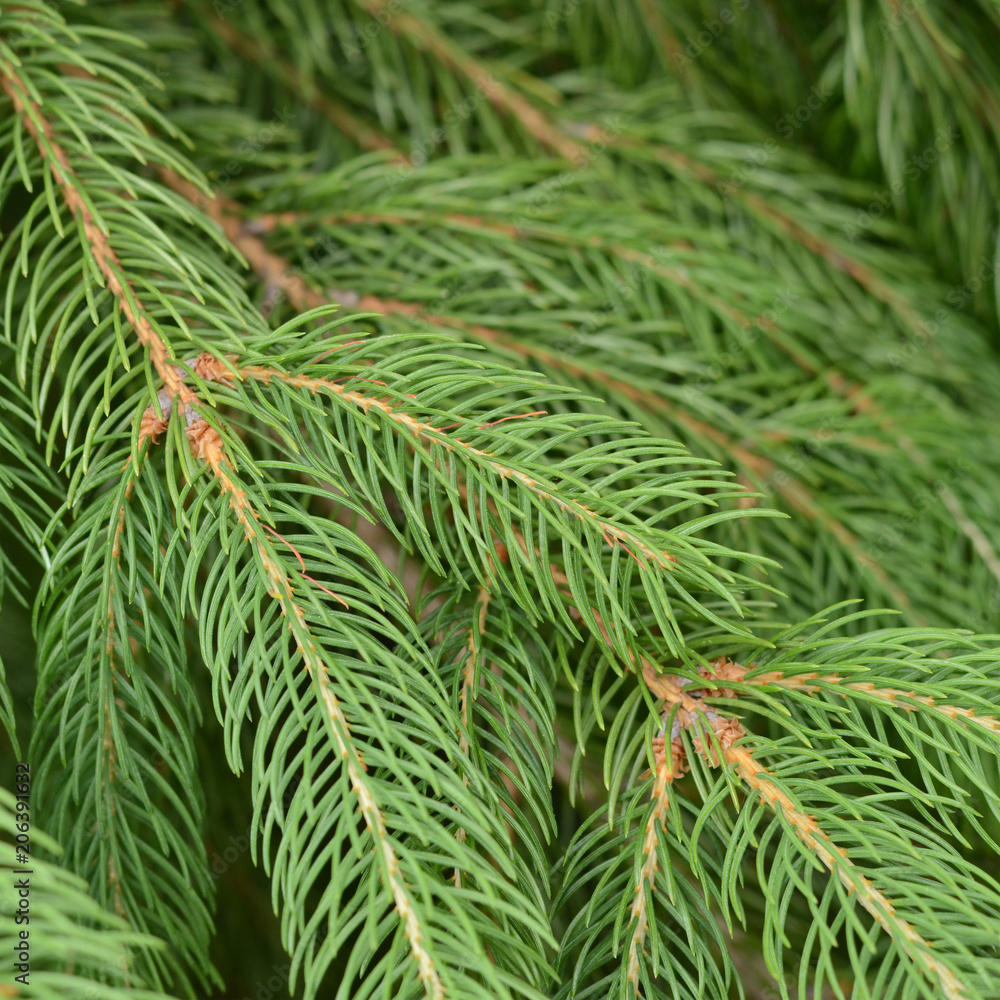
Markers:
448,443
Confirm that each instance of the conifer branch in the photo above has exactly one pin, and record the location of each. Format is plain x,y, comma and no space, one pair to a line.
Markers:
837,256
839,864
285,73
470,669
811,682
277,273
109,771
545,130
99,245
206,445
190,441
426,432
427,37
94,229
639,919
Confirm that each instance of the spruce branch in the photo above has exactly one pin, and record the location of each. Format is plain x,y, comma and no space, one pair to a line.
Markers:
66,923
836,859
521,713
940,964
470,669
758,468
134,743
207,446
541,127
647,874
94,229
285,72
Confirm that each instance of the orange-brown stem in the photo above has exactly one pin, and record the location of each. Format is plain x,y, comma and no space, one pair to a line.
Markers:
837,861
97,239
207,446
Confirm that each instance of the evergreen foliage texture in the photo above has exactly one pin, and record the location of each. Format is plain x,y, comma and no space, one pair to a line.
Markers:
501,500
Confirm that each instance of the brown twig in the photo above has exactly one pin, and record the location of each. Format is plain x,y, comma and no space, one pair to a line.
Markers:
905,700
429,38
429,433
762,468
468,690
839,864
285,72
206,445
99,242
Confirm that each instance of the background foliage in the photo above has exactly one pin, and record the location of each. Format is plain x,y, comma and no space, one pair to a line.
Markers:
440,443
